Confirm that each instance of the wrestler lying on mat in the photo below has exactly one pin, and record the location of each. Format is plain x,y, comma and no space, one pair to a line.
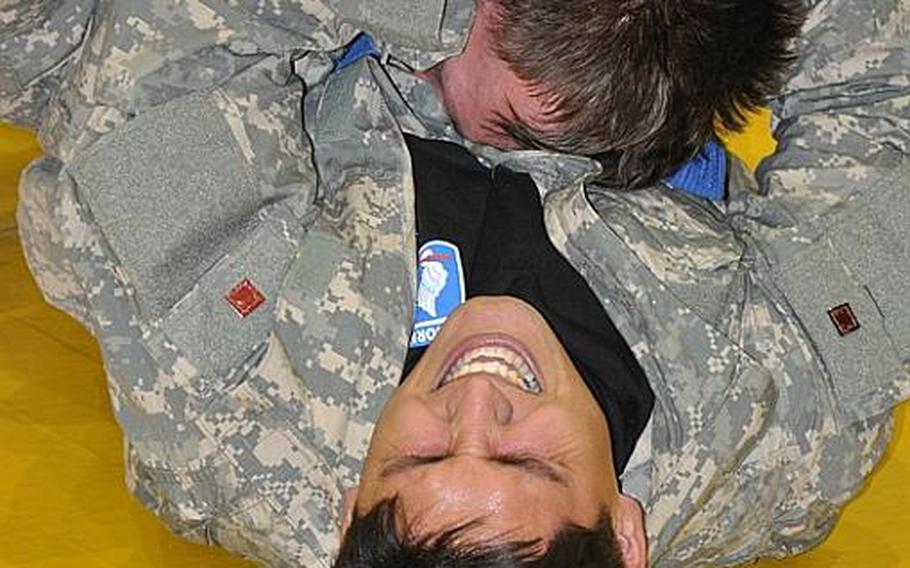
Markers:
268,217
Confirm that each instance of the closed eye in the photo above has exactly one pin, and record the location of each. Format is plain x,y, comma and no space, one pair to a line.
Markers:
528,464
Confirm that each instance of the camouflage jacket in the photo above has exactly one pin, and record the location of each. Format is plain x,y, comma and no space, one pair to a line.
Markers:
251,281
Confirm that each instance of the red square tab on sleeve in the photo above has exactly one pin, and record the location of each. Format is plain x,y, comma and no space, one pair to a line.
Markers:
245,298
844,319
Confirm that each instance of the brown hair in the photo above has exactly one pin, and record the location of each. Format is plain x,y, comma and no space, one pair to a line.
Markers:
640,84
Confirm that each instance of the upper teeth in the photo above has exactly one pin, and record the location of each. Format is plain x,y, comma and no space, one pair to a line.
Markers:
495,360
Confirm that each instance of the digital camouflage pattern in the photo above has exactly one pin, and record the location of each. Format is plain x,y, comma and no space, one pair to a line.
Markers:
177,165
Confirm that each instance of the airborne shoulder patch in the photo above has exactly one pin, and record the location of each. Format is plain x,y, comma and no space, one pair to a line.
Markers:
440,289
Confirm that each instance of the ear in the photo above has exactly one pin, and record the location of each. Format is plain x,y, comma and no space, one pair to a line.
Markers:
347,509
629,528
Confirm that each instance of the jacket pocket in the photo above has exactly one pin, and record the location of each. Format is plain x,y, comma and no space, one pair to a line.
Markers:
849,290
230,310
185,218
172,194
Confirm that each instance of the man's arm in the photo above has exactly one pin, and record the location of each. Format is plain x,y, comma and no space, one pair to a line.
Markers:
176,166
135,53
834,218
825,231
177,187
843,116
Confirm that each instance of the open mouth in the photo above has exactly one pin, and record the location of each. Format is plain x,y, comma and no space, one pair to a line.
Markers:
499,356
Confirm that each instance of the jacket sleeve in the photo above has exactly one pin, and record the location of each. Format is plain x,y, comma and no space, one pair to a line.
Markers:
833,217
80,71
132,53
176,189
176,166
39,42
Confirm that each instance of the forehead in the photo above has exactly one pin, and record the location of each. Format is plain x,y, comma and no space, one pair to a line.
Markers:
503,502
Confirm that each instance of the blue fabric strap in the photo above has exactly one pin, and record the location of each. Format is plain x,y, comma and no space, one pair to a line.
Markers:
706,175
360,47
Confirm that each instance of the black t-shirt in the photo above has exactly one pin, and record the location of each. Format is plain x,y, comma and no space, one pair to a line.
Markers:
495,219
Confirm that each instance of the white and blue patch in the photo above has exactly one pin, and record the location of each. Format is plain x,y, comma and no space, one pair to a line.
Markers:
440,289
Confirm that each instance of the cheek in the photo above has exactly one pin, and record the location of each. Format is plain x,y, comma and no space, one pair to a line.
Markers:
471,98
408,426
572,435
460,97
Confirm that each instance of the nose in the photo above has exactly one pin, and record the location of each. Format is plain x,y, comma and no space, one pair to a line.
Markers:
477,409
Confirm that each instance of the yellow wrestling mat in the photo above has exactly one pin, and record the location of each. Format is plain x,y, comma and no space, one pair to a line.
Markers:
63,502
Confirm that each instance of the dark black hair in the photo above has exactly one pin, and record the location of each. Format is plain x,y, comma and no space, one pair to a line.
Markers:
642,84
373,541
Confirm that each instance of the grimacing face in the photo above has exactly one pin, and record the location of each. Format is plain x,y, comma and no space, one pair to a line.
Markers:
480,447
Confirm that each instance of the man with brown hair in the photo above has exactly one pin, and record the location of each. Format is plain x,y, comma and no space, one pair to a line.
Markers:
639,86
249,265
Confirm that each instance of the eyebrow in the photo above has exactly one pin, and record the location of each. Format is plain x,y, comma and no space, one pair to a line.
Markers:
531,465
